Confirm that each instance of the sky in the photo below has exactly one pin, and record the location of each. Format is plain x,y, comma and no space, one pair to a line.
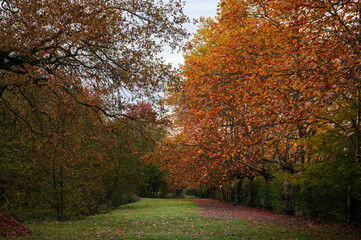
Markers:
194,9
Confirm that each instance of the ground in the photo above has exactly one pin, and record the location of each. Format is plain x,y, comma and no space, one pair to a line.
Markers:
223,210
188,219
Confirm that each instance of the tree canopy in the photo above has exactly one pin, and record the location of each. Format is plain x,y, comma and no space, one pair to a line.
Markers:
79,88
108,47
259,81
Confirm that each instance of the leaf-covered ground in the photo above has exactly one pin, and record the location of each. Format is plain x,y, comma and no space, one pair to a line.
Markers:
183,219
10,227
222,210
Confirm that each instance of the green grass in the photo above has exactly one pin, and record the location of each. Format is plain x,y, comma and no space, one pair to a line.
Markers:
171,219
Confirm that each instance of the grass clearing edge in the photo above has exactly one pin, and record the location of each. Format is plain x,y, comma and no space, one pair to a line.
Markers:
173,219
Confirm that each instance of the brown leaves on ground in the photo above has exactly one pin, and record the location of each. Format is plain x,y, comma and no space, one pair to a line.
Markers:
10,227
222,210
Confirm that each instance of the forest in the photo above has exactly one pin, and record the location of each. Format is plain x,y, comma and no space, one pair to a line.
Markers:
264,112
80,89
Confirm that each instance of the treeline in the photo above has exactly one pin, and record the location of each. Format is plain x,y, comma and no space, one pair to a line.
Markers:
269,110
319,197
80,165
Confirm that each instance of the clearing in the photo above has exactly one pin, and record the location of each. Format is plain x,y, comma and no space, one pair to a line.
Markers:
184,219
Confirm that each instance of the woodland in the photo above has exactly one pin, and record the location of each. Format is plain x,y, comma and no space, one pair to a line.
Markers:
264,112
80,87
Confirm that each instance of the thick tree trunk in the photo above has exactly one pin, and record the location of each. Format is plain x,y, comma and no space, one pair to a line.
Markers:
267,196
230,191
250,197
2,89
351,208
238,192
178,192
223,194
62,205
203,192
357,127
286,196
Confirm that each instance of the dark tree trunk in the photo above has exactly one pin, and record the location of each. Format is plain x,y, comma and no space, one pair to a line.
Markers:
238,192
178,192
267,196
203,195
250,197
224,194
286,197
351,208
230,191
61,217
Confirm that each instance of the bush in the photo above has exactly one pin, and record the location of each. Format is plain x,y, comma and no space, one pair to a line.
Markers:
324,182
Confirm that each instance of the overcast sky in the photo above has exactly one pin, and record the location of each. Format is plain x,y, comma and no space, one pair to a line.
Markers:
194,9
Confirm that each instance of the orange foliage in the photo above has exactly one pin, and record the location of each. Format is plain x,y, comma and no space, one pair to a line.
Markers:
258,77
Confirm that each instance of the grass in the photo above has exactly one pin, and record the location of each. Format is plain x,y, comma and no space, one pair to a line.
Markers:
172,219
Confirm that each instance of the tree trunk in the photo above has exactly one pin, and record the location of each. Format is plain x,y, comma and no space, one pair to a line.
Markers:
267,196
61,194
351,208
286,196
230,191
238,192
357,126
202,192
250,197
178,192
223,194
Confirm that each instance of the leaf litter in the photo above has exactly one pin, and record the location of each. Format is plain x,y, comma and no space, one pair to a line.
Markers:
225,211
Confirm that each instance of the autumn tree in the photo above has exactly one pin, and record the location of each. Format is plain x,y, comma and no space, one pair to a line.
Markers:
260,78
66,68
111,47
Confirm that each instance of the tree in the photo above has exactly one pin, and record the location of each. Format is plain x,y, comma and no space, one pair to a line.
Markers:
111,47
66,67
259,78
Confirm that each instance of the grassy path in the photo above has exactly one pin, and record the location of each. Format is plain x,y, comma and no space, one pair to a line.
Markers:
174,219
